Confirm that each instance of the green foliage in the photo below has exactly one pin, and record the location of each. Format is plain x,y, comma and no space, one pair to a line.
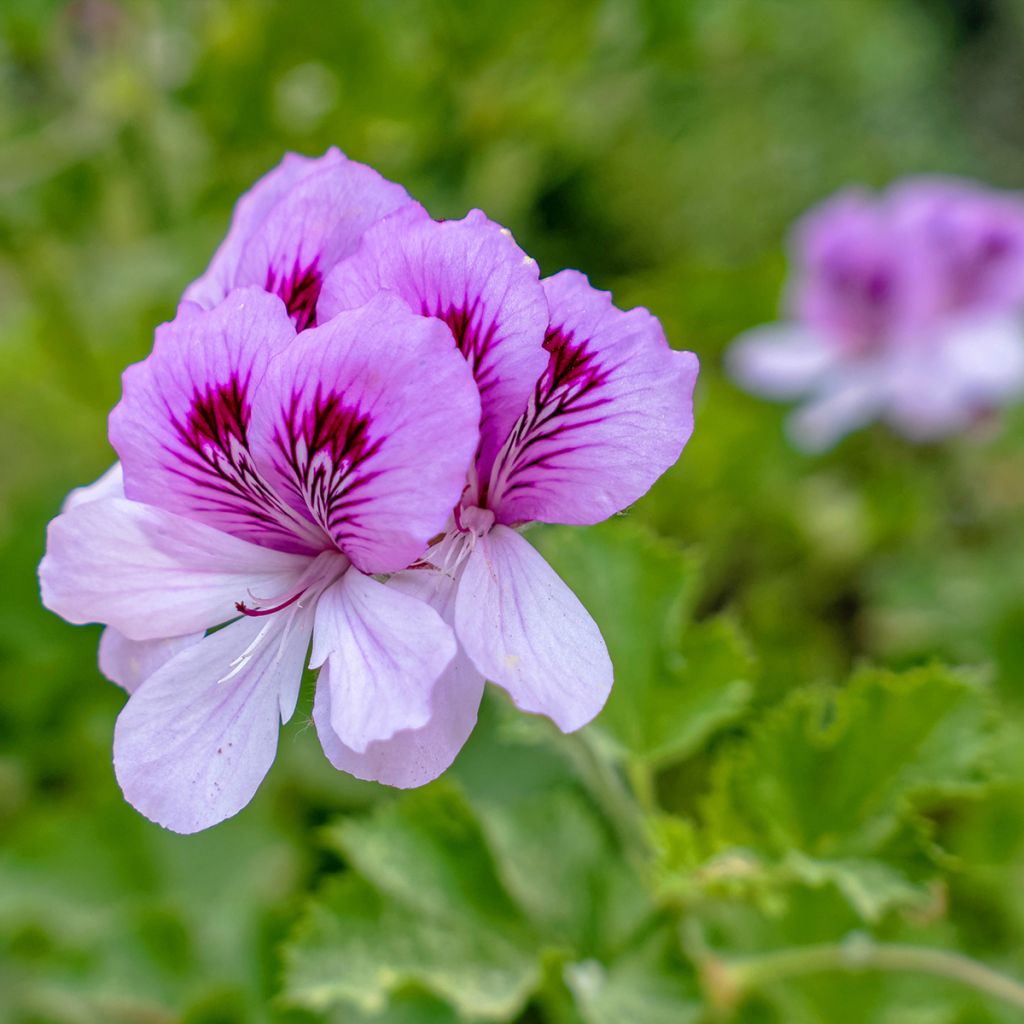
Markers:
680,682
748,790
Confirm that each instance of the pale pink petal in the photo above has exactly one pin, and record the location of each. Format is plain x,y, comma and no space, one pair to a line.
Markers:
473,276
851,400
293,226
367,425
249,213
612,411
182,425
526,631
196,739
130,662
413,757
783,360
986,355
152,574
109,485
379,652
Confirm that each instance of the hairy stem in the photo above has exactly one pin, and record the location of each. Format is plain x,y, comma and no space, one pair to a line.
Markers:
728,980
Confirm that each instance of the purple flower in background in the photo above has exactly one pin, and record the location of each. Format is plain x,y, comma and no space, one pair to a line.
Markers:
293,226
267,477
905,307
584,406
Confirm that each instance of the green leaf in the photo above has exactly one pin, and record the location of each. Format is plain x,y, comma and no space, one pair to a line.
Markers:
871,887
650,984
356,946
429,908
676,683
834,775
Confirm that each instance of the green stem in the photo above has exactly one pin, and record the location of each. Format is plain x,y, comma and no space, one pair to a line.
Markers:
613,796
728,981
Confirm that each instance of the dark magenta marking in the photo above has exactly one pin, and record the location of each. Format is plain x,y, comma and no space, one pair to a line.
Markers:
299,290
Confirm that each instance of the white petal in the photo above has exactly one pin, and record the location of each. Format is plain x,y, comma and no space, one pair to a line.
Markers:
413,757
196,739
109,485
526,631
129,662
154,574
780,360
381,652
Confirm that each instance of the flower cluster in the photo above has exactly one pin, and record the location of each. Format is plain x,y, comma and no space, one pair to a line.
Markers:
905,307
325,460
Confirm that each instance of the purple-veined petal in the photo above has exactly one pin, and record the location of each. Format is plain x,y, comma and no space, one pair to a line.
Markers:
379,652
293,226
153,574
611,412
526,631
367,424
196,739
858,278
473,276
182,425
972,238
130,662
109,485
413,757
782,360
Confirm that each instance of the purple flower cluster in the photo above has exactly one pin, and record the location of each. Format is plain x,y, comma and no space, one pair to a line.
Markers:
906,307
325,461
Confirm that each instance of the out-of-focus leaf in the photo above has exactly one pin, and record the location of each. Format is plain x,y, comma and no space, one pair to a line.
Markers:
649,984
872,887
427,907
833,774
676,683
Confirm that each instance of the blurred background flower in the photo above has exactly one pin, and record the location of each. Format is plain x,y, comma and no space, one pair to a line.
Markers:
908,307
764,802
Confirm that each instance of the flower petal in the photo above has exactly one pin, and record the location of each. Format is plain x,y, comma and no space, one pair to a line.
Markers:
153,574
182,425
612,411
380,652
292,226
130,662
109,485
413,757
473,276
852,399
782,360
367,424
195,741
526,631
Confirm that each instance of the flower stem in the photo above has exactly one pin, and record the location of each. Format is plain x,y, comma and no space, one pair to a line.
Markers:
612,795
727,981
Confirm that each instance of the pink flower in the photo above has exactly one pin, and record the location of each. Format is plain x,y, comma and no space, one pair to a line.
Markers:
905,307
267,478
583,408
293,226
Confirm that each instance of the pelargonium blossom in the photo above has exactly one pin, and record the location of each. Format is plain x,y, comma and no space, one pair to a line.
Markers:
267,477
905,307
292,226
584,406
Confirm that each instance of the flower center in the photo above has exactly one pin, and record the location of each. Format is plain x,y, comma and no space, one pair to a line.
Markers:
322,571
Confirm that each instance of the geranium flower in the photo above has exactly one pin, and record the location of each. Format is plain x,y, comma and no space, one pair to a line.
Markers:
267,477
583,408
293,226
906,307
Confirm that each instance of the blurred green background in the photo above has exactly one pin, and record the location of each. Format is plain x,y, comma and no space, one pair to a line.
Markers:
740,795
